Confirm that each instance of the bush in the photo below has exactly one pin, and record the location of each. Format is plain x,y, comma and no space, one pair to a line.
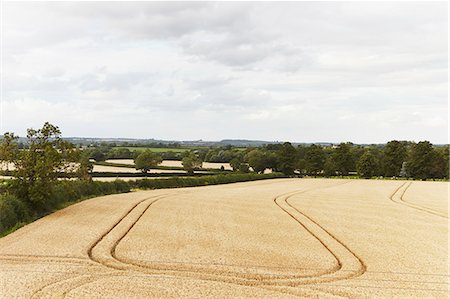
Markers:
70,191
179,182
12,211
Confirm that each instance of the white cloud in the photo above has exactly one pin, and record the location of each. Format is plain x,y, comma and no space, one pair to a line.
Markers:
299,71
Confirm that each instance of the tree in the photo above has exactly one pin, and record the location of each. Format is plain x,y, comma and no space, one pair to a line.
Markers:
147,160
119,153
98,155
235,163
257,160
343,158
38,168
8,149
367,165
243,167
439,169
329,167
314,159
85,167
191,162
394,154
286,158
420,162
446,154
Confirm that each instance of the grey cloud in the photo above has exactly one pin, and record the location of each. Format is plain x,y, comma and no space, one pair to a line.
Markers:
106,81
303,71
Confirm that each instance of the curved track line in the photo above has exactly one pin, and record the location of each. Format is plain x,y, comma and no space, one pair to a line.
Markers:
71,283
356,259
297,292
96,242
261,281
89,250
195,268
45,258
327,276
246,280
96,255
208,272
115,263
400,200
346,258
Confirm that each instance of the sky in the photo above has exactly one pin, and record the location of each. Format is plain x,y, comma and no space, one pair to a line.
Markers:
365,72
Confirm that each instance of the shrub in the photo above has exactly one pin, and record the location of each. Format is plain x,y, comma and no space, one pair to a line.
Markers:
179,182
12,211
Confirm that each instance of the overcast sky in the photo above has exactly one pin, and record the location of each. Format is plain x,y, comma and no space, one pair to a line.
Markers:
294,71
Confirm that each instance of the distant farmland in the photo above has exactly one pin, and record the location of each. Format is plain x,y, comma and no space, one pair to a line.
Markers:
167,149
156,149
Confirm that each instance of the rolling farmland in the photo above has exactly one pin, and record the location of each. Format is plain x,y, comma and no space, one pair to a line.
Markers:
156,149
274,239
173,163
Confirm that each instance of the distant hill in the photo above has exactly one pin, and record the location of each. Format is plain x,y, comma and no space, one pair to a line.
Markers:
187,143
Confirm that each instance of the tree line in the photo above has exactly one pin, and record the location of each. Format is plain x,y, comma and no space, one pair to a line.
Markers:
419,160
405,159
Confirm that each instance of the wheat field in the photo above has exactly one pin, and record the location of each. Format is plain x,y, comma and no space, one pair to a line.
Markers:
282,238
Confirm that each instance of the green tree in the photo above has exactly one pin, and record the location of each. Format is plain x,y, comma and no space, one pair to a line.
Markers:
329,167
367,165
314,159
147,160
98,155
343,158
191,162
235,163
394,154
243,167
421,158
38,168
8,149
119,153
257,160
286,158
439,169
446,154
85,167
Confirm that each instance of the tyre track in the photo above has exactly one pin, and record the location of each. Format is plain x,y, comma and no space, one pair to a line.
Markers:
103,251
109,259
190,269
100,253
41,291
195,268
400,200
87,279
286,281
45,258
349,264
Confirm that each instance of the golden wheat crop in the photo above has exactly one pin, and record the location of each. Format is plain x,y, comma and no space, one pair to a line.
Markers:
282,238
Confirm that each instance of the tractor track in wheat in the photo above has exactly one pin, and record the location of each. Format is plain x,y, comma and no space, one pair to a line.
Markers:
109,259
104,263
398,197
